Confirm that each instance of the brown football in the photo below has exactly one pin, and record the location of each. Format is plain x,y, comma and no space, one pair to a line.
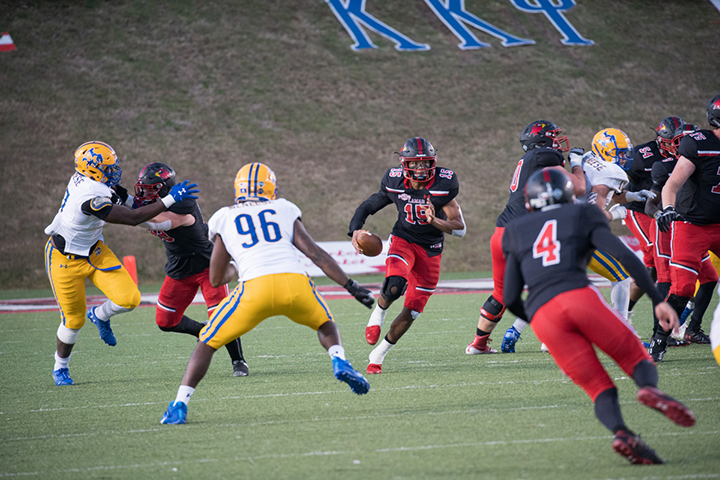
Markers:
371,244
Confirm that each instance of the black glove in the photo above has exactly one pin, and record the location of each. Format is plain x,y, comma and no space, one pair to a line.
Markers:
122,194
665,217
361,294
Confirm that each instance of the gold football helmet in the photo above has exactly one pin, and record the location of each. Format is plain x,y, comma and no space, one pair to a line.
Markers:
613,146
98,161
255,182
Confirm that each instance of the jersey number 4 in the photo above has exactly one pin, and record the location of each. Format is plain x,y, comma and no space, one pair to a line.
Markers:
546,244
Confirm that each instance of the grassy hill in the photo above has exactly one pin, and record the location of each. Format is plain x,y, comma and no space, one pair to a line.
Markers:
210,86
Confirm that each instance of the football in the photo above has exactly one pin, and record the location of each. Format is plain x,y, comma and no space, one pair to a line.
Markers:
371,244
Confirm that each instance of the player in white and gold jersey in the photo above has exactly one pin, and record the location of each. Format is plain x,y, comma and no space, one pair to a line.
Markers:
258,240
76,251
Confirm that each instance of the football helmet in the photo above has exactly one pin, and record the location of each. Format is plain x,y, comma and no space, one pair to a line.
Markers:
613,146
417,149
255,182
666,132
98,161
543,133
548,186
154,181
713,111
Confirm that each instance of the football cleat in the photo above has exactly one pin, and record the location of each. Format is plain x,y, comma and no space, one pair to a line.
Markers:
62,377
346,373
103,326
509,340
657,349
240,368
479,346
696,336
372,334
668,406
634,449
374,368
673,342
176,414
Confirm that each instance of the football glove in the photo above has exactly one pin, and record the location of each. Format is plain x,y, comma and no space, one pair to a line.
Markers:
120,195
618,212
180,192
361,294
665,217
575,156
640,196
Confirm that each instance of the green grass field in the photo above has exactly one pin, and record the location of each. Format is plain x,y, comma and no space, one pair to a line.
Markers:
435,412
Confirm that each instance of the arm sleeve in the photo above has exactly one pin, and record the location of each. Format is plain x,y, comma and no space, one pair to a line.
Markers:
603,239
98,207
514,283
373,204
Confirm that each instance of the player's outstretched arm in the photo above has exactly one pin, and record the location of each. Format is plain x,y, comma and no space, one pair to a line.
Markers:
222,271
122,215
305,243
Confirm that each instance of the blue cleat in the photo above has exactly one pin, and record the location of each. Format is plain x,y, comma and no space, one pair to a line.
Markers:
106,332
509,340
346,373
176,414
62,377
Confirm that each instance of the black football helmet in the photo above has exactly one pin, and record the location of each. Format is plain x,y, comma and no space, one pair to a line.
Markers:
548,186
417,149
713,111
154,181
543,133
665,134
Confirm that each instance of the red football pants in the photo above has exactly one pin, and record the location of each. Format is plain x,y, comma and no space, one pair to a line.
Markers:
640,226
422,272
176,295
690,260
498,263
571,323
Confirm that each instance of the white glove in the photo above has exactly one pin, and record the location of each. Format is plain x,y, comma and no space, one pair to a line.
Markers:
575,156
640,196
618,212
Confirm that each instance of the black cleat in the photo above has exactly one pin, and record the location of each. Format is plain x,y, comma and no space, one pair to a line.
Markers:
240,368
696,336
674,342
657,348
634,449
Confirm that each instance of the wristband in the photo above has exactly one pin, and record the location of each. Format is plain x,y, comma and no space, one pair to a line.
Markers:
168,201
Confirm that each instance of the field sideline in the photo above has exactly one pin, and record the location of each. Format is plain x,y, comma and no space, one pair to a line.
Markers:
434,413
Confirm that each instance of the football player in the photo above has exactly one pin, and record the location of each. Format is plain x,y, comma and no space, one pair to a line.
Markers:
662,252
549,250
543,146
187,248
424,195
258,240
76,251
693,212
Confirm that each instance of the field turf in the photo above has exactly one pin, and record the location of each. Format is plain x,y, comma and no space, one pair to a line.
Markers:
434,412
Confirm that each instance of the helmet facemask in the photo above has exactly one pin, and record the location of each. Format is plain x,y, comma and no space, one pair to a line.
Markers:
424,172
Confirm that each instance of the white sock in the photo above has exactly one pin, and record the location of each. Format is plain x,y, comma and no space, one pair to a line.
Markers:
184,394
108,309
378,354
520,324
337,351
61,362
378,316
620,296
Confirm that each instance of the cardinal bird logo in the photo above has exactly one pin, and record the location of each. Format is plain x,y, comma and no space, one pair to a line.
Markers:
537,129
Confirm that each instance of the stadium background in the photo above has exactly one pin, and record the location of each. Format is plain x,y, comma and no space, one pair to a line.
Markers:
209,86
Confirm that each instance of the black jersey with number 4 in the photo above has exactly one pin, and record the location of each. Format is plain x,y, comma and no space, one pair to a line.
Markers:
640,172
412,224
699,200
549,250
187,249
532,161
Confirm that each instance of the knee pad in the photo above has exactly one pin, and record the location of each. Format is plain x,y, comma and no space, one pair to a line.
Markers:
67,335
393,288
492,310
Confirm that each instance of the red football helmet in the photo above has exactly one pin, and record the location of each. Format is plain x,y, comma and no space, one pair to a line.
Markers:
543,133
417,149
666,132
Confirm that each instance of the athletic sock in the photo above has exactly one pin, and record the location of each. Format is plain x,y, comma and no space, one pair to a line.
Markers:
378,354
337,351
184,394
61,362
520,324
378,316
